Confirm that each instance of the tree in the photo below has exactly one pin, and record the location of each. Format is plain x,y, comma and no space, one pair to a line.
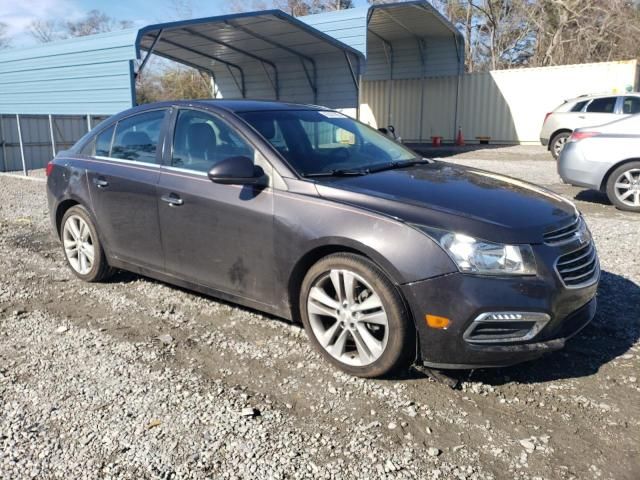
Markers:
94,21
173,83
296,8
43,30
5,41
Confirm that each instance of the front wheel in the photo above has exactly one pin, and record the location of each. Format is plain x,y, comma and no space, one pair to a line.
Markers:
623,187
355,317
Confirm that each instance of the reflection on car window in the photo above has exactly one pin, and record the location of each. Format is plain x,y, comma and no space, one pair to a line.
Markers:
137,137
103,142
602,105
631,105
315,141
202,140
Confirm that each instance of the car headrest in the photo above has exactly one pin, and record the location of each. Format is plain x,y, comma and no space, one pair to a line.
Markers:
136,138
200,136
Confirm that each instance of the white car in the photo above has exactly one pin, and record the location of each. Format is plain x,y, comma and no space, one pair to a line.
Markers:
584,111
606,158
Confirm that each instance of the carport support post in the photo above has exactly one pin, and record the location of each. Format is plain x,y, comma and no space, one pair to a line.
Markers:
53,139
24,164
4,146
88,122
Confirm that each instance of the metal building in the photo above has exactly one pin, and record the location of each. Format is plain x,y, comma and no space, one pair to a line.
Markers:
52,93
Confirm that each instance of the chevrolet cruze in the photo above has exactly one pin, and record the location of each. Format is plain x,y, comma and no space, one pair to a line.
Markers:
386,258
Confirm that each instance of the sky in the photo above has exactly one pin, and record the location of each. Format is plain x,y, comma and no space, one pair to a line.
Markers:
18,14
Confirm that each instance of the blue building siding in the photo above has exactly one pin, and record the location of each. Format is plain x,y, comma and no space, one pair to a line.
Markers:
78,76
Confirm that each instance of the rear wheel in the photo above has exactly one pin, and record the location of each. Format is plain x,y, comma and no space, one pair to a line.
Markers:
623,187
557,143
355,317
82,248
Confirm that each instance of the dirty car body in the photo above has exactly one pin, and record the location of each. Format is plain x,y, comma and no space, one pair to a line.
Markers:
159,214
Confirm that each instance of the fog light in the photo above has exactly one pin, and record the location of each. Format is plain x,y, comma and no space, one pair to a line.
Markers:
505,327
435,321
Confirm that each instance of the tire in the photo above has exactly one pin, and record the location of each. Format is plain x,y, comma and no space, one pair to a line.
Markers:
623,187
80,241
557,143
337,325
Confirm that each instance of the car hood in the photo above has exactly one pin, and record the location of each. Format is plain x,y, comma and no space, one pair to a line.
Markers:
443,195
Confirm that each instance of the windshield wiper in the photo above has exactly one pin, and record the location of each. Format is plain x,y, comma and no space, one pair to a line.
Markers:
400,164
341,172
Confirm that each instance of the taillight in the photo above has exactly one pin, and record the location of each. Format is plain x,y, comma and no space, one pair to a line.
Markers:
577,136
547,116
49,168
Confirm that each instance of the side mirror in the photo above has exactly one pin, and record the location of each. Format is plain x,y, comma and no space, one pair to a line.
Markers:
236,170
392,129
383,130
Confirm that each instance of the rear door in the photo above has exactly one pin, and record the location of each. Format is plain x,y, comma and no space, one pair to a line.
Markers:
123,181
219,236
598,112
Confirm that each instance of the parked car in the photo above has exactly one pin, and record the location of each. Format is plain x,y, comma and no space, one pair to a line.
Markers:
386,258
606,158
584,111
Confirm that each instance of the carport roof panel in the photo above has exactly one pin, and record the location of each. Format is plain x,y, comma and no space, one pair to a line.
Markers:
269,35
394,21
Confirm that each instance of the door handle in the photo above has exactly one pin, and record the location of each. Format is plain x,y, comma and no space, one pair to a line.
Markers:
100,182
172,199
582,116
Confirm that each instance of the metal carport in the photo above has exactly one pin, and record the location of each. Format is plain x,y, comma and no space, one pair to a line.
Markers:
266,54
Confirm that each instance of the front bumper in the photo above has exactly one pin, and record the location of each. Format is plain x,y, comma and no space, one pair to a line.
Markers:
462,298
544,141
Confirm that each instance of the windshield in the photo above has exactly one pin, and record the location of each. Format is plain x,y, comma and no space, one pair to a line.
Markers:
316,142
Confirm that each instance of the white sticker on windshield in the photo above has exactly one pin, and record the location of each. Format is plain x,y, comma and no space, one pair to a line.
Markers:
329,114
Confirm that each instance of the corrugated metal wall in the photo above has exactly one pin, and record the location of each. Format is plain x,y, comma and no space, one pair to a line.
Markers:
508,105
91,74
36,138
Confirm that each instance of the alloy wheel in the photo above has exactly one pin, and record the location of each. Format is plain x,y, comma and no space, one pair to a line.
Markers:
347,317
627,187
559,144
78,244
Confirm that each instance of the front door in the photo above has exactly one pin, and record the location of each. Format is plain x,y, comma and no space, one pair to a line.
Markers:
122,179
219,236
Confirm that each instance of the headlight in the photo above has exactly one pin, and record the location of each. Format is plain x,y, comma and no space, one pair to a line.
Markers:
478,256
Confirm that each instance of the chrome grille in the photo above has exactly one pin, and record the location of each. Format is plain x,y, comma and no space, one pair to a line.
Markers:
580,267
564,234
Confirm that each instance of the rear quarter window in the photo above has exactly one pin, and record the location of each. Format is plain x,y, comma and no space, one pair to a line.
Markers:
578,106
103,142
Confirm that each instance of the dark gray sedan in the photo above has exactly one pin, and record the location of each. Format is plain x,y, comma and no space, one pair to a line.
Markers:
387,258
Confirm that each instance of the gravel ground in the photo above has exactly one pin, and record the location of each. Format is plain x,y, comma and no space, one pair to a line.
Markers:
138,379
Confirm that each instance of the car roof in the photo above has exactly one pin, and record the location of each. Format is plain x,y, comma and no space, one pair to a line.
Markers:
582,98
236,106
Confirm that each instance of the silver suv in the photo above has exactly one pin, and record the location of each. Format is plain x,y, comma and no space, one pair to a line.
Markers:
584,111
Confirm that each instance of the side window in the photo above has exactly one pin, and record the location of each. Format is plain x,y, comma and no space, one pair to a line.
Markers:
103,142
602,105
631,105
137,137
201,140
579,106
